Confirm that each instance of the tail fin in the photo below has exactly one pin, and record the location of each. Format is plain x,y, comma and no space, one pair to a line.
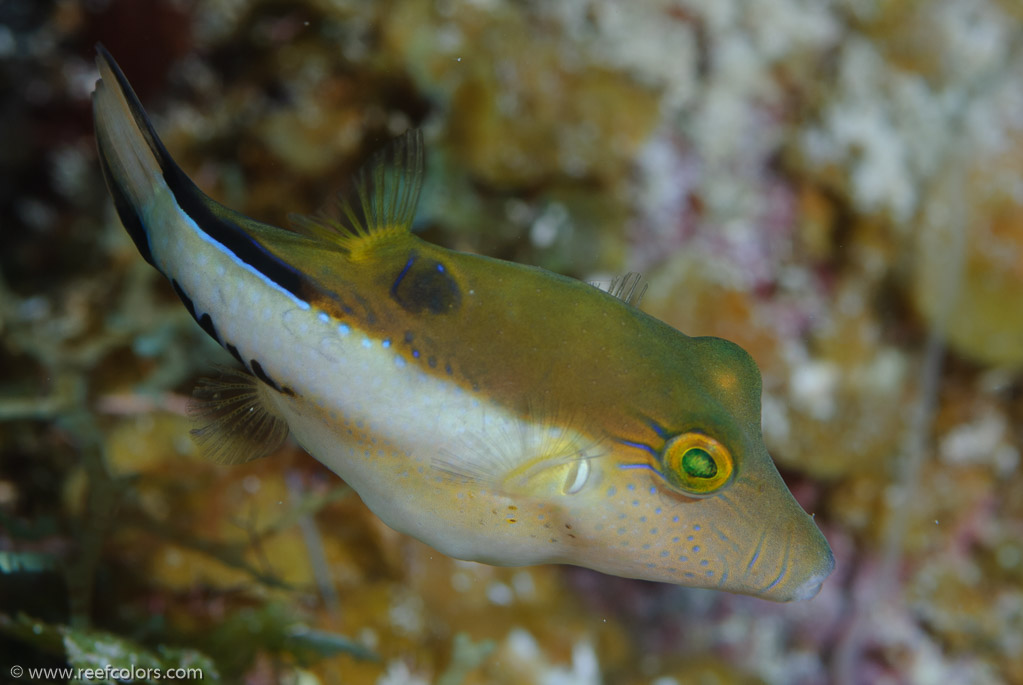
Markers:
131,155
152,193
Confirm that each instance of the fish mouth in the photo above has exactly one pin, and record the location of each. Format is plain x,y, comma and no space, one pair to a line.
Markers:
809,588
804,566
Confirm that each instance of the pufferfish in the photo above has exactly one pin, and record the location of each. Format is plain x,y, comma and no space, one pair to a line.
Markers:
498,412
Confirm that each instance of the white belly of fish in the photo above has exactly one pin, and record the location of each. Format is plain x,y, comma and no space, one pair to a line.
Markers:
425,455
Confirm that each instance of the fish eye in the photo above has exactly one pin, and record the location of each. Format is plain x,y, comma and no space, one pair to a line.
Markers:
696,463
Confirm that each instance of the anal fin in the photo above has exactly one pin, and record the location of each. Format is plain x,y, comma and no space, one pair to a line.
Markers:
236,422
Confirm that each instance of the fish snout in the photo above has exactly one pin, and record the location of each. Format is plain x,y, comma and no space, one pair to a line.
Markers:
795,567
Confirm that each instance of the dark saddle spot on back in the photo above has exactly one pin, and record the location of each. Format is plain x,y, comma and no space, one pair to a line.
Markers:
425,286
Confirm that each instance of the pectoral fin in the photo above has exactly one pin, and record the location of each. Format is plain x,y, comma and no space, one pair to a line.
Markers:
540,458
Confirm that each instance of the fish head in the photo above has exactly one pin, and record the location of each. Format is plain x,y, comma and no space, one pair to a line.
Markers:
690,495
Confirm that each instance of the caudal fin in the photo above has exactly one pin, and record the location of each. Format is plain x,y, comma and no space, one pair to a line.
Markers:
131,155
154,196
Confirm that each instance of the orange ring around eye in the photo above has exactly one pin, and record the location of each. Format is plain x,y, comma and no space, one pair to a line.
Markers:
696,464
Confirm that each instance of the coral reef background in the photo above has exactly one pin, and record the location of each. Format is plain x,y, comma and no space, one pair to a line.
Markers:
837,186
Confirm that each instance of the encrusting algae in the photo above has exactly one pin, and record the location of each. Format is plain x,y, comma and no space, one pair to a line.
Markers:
498,412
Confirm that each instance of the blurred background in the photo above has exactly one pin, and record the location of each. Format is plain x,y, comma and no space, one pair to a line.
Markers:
837,186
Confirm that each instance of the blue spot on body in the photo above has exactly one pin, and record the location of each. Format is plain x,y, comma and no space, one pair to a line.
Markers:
415,353
642,519
697,527
674,519
344,329
630,486
386,343
635,502
657,510
675,539
367,343
399,361
690,538
646,546
664,553
621,531
704,563
323,316
653,490
696,548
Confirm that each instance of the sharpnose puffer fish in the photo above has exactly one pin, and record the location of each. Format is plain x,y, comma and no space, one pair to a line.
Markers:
498,412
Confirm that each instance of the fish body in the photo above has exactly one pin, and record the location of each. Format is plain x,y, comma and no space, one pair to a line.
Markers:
498,412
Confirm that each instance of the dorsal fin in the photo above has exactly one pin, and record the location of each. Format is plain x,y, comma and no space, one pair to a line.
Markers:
381,202
629,288
236,422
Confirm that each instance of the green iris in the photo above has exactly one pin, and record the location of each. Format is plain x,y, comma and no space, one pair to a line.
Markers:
697,463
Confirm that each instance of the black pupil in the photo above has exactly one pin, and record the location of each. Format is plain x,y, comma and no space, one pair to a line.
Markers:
699,464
